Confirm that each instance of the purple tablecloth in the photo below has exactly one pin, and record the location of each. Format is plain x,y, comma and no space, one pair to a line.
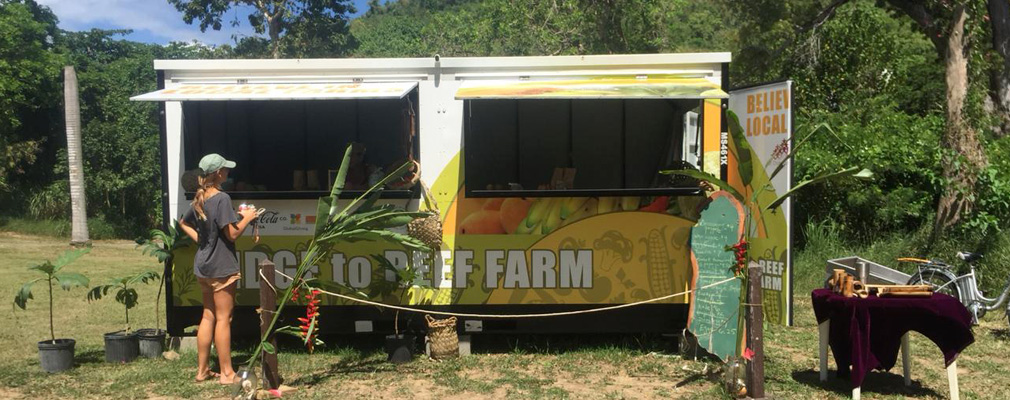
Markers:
866,333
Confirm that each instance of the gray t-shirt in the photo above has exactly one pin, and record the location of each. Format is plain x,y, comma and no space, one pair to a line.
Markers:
215,257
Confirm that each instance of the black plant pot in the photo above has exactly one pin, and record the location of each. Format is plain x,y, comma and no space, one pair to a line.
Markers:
121,347
152,342
400,348
56,356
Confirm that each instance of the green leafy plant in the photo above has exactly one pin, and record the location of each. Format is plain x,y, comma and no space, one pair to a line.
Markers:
162,245
53,273
125,293
360,220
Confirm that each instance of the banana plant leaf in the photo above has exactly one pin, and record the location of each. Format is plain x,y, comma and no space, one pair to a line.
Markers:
368,193
741,148
323,208
341,180
854,172
707,177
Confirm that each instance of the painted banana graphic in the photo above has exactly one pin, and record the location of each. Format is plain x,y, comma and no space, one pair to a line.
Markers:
571,205
538,212
588,209
553,220
607,204
630,203
524,229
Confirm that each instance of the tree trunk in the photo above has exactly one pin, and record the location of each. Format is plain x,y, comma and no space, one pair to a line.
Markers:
960,168
79,220
275,43
999,16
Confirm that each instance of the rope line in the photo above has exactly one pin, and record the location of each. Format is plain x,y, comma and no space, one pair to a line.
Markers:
539,315
264,279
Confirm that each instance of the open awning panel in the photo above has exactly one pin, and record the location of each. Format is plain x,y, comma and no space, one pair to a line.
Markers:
301,91
593,88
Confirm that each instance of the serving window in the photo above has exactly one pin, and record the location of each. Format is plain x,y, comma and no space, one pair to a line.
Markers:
573,147
292,148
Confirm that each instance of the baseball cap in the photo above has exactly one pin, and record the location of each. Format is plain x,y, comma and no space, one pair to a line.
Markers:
213,162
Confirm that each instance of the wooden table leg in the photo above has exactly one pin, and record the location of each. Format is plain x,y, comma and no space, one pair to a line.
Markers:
952,381
906,359
823,330
856,394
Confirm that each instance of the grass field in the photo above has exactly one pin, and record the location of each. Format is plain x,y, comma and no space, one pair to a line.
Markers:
606,367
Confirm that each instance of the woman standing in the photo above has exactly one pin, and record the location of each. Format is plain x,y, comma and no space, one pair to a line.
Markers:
211,222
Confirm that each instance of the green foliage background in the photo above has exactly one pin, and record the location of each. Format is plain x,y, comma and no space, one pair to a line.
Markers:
867,71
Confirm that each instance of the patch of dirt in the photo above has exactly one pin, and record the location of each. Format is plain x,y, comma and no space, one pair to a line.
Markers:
8,393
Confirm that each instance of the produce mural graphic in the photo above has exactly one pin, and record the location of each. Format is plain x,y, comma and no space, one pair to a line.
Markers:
585,250
545,250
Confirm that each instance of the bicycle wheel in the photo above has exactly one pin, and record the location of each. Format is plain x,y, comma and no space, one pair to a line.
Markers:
940,282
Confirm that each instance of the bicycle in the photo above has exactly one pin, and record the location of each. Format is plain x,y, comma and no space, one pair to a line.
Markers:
941,276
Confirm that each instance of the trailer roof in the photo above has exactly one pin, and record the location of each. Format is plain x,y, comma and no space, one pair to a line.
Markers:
550,62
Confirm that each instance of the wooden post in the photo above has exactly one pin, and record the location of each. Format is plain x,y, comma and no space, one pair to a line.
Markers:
268,305
755,333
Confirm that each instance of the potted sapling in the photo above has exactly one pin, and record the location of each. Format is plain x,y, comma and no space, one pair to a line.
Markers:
400,346
122,346
161,245
55,355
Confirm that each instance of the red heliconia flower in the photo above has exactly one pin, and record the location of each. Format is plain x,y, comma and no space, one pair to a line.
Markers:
740,253
309,331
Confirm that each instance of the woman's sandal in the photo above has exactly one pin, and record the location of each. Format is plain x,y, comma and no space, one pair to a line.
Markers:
210,374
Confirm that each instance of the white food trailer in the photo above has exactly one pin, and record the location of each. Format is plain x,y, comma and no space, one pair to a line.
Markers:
560,205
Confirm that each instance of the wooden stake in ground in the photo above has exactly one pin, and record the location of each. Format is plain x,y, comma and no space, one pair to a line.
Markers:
755,333
78,209
268,305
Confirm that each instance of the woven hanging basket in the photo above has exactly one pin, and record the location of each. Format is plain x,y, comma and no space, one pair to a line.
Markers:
428,229
443,338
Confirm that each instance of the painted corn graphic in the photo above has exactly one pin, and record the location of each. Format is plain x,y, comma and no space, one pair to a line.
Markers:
657,258
771,302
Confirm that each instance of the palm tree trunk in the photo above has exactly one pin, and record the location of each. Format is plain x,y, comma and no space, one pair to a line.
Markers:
79,220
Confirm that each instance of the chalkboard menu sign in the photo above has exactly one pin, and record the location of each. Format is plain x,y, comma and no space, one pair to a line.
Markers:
715,309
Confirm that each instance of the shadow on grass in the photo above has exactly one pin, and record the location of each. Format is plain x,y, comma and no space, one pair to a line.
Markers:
343,367
90,357
1000,334
713,376
877,382
491,343
557,344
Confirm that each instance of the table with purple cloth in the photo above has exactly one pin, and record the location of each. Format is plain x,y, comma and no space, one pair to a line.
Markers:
866,333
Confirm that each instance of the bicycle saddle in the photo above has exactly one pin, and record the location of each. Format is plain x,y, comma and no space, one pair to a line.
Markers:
968,257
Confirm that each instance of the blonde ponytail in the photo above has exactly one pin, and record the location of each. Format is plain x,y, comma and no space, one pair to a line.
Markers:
206,182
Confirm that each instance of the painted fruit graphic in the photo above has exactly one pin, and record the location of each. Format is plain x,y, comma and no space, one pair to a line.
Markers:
587,209
484,222
493,204
512,212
